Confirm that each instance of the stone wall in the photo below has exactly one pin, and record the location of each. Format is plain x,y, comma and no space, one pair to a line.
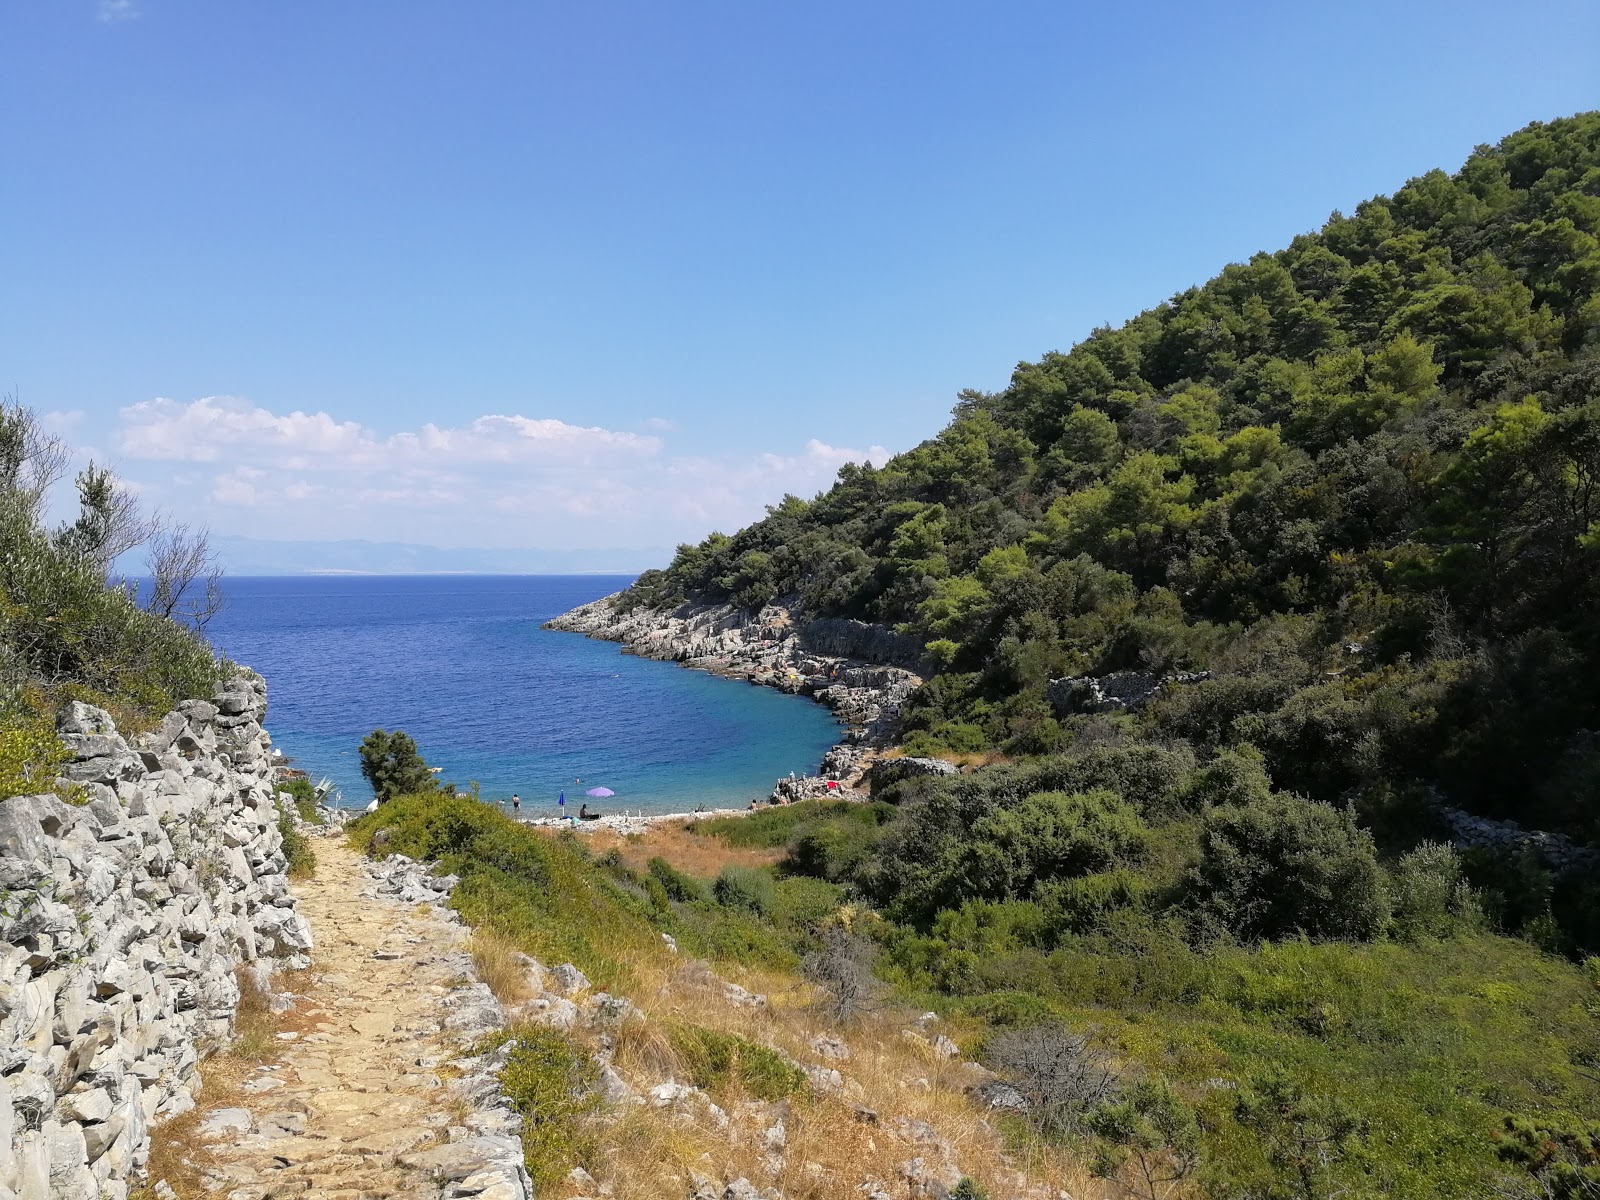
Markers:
129,897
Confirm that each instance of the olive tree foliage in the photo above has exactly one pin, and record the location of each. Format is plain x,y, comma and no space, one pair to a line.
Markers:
185,579
110,521
31,460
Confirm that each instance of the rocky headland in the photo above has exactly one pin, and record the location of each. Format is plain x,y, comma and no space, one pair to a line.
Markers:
862,672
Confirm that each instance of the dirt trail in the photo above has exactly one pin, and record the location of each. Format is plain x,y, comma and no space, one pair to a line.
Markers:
354,1106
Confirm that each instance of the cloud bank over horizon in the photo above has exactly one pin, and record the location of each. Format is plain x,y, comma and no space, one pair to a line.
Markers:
496,481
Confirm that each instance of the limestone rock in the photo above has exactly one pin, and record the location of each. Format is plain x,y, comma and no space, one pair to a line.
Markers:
147,894
568,980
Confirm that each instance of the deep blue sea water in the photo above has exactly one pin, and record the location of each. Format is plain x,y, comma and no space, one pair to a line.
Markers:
460,663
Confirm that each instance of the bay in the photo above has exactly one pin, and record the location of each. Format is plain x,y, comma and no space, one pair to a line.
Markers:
460,663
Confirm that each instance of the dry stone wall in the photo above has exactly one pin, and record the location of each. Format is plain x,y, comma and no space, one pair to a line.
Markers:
129,897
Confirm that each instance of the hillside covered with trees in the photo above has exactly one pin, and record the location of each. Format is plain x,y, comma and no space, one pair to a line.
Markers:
1344,499
1355,480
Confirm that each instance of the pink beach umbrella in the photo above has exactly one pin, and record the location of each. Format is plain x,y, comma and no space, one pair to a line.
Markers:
599,792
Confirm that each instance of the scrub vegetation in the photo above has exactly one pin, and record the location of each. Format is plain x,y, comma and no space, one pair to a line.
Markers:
70,629
1415,1062
1346,491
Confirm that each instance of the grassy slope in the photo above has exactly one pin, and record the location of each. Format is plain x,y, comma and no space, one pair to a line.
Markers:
546,896
1428,1045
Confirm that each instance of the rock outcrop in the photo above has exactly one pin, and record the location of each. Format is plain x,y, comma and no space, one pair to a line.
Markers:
1117,692
864,673
892,770
129,896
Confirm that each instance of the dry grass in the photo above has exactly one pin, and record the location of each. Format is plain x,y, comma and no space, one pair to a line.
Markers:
500,964
255,1025
832,1148
178,1153
693,853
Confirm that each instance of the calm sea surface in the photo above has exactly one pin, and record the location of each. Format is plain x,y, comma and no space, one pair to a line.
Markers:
460,663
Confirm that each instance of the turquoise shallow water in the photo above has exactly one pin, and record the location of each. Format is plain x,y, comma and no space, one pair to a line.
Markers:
460,663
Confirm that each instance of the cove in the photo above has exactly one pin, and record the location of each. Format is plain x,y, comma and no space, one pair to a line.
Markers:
460,663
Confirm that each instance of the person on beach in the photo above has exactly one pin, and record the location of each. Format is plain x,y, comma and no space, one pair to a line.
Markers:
516,803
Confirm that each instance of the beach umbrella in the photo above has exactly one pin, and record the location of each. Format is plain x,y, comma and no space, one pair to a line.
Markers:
599,792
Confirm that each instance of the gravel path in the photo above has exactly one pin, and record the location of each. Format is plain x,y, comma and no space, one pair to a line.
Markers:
358,1105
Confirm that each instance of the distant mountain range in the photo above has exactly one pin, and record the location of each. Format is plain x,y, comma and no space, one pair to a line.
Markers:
264,556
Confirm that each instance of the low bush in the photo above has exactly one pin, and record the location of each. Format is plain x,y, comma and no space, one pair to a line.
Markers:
1431,895
30,753
748,888
297,849
551,1086
1283,866
685,889
720,1062
305,799
802,904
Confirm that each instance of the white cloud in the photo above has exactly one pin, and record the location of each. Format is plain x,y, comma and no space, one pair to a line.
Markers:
116,10
496,481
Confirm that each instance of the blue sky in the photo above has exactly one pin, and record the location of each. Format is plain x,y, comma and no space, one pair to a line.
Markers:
521,275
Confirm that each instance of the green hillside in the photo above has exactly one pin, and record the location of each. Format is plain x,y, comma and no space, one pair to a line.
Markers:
1345,499
1357,480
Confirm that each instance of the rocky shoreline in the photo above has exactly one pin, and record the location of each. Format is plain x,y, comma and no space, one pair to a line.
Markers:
862,672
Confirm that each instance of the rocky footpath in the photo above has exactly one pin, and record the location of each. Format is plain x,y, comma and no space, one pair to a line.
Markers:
864,673
377,1086
130,895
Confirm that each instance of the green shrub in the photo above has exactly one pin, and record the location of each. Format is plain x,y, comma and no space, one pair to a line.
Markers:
1050,835
777,826
748,888
716,1061
305,799
541,892
685,889
1148,1136
64,625
1431,894
1082,905
1285,866
832,850
297,850
30,753
550,1083
802,904
1555,1159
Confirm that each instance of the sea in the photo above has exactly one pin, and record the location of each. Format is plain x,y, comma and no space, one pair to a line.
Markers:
459,663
